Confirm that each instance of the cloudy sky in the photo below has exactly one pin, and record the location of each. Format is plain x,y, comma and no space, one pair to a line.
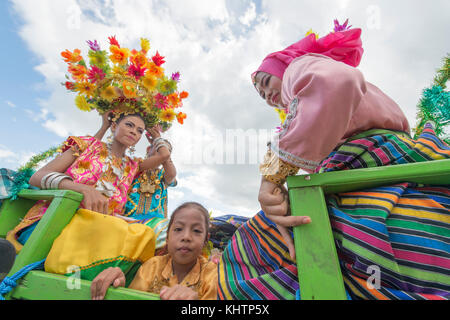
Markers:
216,45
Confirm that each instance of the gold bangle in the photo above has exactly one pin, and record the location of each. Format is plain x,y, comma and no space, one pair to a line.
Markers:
277,170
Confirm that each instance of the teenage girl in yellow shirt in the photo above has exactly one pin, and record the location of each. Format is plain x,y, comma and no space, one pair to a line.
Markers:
182,274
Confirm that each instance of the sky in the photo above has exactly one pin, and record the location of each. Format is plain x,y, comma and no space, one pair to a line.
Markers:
215,45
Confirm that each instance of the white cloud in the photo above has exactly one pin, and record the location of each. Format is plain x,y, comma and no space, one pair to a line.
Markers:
5,153
204,40
11,104
249,15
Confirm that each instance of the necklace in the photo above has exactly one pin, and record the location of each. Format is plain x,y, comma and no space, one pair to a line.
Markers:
113,170
149,184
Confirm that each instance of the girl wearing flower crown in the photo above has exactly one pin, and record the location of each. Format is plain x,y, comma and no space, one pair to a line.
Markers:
148,195
134,89
336,120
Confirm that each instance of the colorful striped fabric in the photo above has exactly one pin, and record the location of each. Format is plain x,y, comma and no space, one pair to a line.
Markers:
393,242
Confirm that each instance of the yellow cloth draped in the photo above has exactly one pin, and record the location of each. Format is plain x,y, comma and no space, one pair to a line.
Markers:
92,239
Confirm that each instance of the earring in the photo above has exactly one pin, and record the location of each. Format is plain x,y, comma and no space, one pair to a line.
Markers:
110,138
132,150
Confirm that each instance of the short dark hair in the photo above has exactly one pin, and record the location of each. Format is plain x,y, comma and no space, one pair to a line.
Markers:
193,205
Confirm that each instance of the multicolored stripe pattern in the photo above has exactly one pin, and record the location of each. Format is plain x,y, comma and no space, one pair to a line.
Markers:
256,264
393,242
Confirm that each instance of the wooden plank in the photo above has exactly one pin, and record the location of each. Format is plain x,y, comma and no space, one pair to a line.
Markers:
40,285
319,273
12,212
50,194
57,216
430,172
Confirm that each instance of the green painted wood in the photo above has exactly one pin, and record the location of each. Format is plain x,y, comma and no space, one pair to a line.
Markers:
314,243
431,172
319,274
11,214
50,194
57,216
39,285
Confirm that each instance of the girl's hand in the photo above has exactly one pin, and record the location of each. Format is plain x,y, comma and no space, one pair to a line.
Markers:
153,133
101,283
94,200
178,292
106,119
274,202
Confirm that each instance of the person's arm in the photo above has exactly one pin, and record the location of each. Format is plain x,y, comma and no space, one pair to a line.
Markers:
159,156
170,172
154,161
106,123
92,199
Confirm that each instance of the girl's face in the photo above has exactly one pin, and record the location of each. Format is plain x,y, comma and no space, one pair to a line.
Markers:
129,130
186,236
269,88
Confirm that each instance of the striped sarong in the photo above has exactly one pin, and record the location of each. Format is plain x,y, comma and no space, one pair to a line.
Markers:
402,230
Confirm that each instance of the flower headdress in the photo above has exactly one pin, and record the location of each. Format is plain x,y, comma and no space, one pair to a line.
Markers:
126,82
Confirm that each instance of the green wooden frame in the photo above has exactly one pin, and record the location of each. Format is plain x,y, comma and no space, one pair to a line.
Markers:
38,284
320,277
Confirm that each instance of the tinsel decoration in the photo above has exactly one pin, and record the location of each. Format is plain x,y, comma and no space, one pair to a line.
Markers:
434,105
24,173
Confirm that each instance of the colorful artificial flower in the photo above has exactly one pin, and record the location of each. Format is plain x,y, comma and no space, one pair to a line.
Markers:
94,46
310,31
139,59
82,104
155,70
109,93
167,115
72,57
149,82
174,100
136,71
120,70
167,86
158,59
98,58
95,74
181,117
78,71
129,90
123,80
184,95
176,76
86,88
338,27
282,114
145,45
69,85
113,41
119,55
161,102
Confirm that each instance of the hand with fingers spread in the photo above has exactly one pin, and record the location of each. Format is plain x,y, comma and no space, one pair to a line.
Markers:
274,202
178,292
109,277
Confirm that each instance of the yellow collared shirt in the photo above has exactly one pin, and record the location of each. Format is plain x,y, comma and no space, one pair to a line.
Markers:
157,272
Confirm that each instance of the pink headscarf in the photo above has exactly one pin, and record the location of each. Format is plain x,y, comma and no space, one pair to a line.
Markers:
345,46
